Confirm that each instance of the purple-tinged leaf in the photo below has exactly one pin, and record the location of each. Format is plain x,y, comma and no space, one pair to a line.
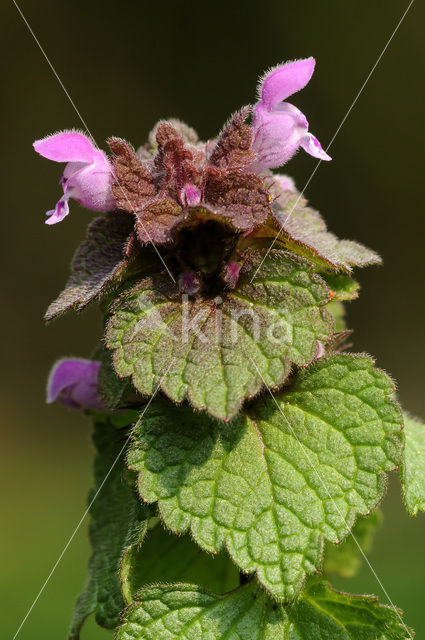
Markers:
157,221
175,163
239,197
133,186
233,147
100,262
304,231
218,352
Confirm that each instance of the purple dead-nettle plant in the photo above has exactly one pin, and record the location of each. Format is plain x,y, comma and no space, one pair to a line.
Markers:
250,431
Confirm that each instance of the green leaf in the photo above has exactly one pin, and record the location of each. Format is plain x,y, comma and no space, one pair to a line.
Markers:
342,286
100,262
219,352
337,309
187,612
346,558
413,467
304,231
278,479
112,389
165,557
118,522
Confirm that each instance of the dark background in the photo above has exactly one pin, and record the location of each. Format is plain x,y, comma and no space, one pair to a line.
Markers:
126,64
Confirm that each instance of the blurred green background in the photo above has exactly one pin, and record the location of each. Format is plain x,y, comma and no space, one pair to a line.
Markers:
126,64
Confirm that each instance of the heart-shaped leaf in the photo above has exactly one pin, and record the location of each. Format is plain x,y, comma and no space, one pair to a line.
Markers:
279,479
217,352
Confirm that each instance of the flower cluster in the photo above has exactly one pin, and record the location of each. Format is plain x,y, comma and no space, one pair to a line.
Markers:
176,187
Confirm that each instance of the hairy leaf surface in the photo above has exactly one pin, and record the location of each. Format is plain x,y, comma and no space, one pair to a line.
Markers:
413,467
233,147
304,231
187,612
240,198
100,261
112,389
133,183
118,521
219,352
275,482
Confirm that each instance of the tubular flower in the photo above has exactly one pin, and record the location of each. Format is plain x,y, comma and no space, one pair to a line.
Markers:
87,177
74,383
279,128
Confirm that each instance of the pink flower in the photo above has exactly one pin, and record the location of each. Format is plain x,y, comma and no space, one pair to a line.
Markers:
87,176
190,195
284,183
279,128
73,383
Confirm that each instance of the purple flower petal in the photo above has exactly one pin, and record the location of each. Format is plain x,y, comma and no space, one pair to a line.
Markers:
279,128
191,195
311,144
59,213
68,146
73,383
91,185
87,177
284,80
277,135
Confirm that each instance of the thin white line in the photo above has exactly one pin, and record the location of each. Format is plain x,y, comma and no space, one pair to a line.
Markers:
55,566
52,68
335,135
332,499
88,131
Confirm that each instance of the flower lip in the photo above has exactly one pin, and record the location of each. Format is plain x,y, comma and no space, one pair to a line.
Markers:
59,212
311,144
